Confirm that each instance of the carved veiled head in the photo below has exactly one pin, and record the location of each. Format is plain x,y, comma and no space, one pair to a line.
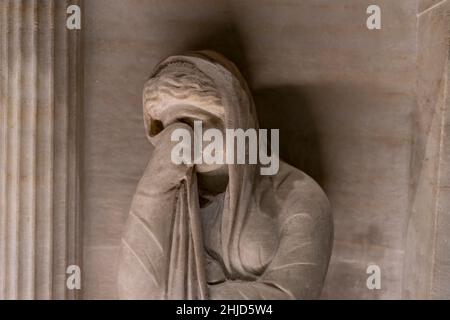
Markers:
202,86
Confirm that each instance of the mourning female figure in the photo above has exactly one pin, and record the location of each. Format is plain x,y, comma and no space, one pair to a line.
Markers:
218,231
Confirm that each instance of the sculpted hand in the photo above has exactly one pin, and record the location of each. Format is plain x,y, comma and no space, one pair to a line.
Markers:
164,172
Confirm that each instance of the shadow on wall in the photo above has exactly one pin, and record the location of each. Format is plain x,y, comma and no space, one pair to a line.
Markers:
284,107
225,39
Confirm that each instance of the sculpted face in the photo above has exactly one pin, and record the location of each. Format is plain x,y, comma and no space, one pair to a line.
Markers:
189,114
217,167
183,94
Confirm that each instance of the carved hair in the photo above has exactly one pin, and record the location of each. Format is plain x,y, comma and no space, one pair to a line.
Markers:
179,83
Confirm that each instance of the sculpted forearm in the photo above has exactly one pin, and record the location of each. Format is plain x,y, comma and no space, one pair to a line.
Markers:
146,242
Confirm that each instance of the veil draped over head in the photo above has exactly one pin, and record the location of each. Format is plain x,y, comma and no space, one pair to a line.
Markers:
192,86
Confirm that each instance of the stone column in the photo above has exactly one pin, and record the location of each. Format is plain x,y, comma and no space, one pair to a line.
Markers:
40,69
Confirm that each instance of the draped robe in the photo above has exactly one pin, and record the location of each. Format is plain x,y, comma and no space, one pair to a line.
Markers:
266,237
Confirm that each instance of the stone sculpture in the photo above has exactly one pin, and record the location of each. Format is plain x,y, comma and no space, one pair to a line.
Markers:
218,231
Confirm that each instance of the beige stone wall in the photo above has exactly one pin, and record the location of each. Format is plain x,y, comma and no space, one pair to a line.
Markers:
345,98
426,263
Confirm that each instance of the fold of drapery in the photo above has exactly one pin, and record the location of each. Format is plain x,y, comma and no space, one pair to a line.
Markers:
186,271
162,255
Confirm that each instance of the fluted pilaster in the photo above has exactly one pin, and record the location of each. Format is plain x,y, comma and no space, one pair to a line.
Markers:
40,101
